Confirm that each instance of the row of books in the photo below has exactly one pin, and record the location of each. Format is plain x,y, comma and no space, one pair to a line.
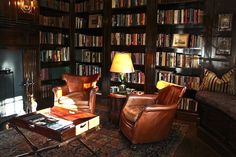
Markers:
82,69
137,77
128,3
53,73
44,74
62,21
181,16
137,58
165,40
191,82
195,41
188,104
90,5
94,21
85,55
62,54
55,4
46,91
172,59
128,39
53,38
81,22
88,40
128,19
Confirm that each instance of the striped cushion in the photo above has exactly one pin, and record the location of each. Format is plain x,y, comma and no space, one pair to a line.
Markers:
211,82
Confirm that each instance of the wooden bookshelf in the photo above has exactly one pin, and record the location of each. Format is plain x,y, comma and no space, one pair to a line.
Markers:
54,45
177,64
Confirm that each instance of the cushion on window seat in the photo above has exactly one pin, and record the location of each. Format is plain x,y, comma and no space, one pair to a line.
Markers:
221,101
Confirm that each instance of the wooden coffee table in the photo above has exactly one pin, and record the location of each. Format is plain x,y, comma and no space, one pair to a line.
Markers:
56,123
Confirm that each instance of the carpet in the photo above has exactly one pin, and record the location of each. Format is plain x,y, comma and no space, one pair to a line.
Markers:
106,142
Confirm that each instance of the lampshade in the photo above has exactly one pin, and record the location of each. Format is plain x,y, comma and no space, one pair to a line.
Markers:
122,63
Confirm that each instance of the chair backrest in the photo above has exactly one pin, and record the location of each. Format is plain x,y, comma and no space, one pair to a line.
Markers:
170,93
78,83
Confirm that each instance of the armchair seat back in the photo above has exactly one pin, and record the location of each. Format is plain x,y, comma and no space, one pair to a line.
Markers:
79,92
148,117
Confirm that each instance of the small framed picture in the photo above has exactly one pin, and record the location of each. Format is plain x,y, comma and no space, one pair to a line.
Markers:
223,46
95,21
225,22
180,40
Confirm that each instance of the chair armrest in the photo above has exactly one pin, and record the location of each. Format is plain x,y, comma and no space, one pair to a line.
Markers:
144,99
60,91
159,107
91,93
92,90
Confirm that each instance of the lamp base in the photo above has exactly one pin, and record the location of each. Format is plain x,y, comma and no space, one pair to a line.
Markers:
122,89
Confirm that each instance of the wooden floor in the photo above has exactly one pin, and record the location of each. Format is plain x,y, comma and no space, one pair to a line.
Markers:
192,146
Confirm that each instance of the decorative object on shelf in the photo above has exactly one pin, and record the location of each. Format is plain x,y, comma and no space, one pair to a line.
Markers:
27,6
180,40
95,21
122,64
223,46
225,22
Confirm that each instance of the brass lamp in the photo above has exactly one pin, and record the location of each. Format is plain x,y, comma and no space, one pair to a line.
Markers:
122,64
27,6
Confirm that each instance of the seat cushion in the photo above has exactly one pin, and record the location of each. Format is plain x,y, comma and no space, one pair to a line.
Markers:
224,102
78,98
132,112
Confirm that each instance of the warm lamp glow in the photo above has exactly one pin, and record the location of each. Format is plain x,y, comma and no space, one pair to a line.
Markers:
122,63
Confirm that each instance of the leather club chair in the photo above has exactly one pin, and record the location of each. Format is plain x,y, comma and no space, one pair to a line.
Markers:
79,92
148,117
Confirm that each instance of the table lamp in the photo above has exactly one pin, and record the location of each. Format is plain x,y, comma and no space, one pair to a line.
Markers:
122,64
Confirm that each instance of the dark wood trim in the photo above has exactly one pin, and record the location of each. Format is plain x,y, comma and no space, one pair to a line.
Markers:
150,53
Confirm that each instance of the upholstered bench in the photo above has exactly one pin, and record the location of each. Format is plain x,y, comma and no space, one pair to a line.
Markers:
217,120
223,102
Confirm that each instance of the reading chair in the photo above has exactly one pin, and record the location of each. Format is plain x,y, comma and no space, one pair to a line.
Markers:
79,92
148,117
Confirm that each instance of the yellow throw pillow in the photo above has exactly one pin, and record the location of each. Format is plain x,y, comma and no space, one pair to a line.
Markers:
211,82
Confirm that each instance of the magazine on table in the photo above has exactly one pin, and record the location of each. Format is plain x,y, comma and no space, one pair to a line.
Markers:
49,121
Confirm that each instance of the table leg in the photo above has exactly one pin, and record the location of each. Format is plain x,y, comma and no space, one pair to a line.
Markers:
87,147
33,147
36,150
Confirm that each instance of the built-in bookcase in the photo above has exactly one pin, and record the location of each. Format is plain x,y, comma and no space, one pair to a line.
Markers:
180,63
128,35
88,38
54,40
143,28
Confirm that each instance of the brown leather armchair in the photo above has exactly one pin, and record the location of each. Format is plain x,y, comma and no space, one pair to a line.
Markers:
79,92
148,117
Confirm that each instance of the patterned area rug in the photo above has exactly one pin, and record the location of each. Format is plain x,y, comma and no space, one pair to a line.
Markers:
106,142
